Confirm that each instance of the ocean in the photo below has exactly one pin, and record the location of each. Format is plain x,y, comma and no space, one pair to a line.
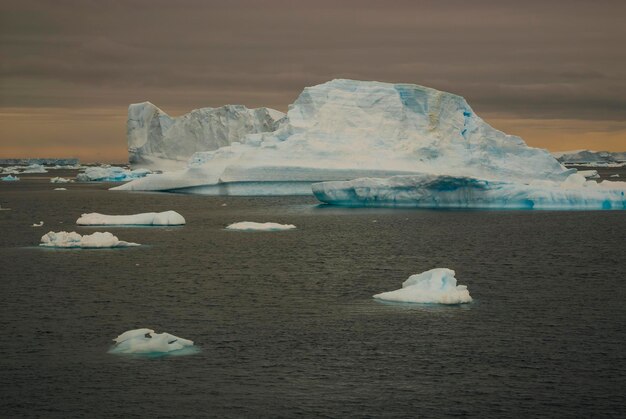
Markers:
285,321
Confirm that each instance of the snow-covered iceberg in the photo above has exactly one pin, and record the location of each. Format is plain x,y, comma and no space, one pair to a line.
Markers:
437,286
110,174
10,178
441,191
165,218
346,129
252,226
88,241
147,342
158,141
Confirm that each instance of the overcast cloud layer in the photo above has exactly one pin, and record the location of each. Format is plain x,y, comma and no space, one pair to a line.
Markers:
543,60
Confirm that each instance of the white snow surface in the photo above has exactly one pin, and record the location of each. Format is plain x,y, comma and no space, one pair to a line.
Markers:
88,241
146,341
158,141
59,179
437,286
252,226
432,191
165,218
346,129
108,173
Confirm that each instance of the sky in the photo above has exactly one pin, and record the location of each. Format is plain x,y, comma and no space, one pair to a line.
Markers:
552,72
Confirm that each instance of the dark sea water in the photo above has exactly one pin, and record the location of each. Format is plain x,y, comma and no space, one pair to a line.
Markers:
285,320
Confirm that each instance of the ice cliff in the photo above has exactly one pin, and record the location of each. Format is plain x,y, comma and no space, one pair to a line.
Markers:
346,129
158,141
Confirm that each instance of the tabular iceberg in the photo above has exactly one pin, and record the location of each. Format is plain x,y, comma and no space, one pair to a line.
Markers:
147,342
437,286
252,226
441,191
346,129
165,218
88,241
158,141
110,174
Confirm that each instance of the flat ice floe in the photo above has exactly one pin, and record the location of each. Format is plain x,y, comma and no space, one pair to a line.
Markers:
147,342
252,226
437,191
166,218
437,286
89,241
59,180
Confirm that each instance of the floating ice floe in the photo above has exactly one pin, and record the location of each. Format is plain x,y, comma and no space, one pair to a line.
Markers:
436,286
252,226
10,178
60,189
589,174
432,191
88,241
59,180
615,175
147,342
110,174
166,218
39,224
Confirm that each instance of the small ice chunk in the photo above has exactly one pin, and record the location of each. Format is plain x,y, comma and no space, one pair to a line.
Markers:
59,180
615,175
60,189
437,286
148,218
147,342
35,168
75,240
39,224
252,226
589,174
10,178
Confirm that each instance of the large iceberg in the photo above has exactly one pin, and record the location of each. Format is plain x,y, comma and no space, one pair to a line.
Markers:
165,218
88,241
437,286
109,173
158,141
147,342
443,191
346,129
